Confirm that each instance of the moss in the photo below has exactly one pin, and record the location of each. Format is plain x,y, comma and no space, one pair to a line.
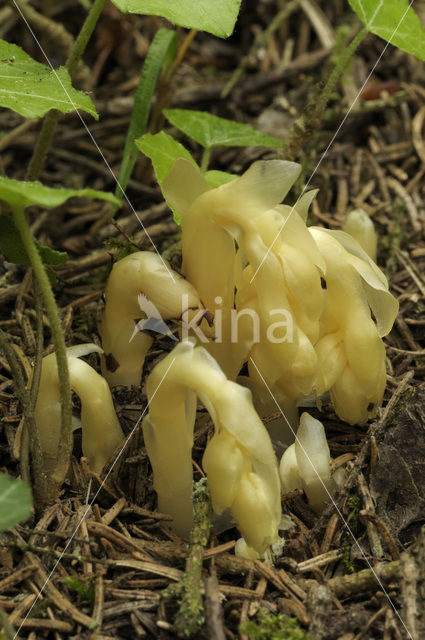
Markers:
40,608
394,239
348,563
84,591
190,616
124,249
85,322
404,400
274,627
354,504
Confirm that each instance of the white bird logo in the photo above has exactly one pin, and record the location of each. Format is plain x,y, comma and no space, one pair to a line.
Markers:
153,323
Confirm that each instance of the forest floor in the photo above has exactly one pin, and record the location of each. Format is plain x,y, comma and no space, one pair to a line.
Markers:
358,571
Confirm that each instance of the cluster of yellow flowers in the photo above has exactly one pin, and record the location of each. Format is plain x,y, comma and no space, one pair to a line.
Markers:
239,238
305,308
250,259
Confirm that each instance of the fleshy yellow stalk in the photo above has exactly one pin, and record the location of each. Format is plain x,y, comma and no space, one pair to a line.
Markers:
239,459
165,291
306,464
101,429
275,270
350,351
358,224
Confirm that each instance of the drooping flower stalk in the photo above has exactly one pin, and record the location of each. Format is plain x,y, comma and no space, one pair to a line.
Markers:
239,459
350,350
101,430
164,290
306,464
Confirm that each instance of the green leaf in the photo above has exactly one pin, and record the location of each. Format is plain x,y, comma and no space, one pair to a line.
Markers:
24,194
161,52
14,251
394,21
211,131
217,178
163,151
31,89
15,501
215,16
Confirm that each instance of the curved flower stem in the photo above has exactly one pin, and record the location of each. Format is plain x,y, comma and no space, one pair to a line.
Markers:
311,118
50,121
40,275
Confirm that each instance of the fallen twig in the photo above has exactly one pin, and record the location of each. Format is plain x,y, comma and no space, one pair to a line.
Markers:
190,616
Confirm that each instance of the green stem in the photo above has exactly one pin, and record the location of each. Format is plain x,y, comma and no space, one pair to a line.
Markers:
84,35
261,40
339,69
38,355
31,441
205,159
182,52
312,116
16,369
50,121
42,145
40,275
29,427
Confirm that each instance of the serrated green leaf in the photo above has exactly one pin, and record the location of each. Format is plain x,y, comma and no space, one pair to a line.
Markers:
394,21
217,178
18,193
15,501
14,251
214,16
31,89
163,151
49,255
161,54
211,131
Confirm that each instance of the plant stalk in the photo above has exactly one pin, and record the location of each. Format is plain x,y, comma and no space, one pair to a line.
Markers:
339,69
312,116
50,121
84,36
38,354
29,427
182,52
205,159
42,145
65,446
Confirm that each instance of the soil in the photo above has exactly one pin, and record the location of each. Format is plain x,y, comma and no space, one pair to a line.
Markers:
358,571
